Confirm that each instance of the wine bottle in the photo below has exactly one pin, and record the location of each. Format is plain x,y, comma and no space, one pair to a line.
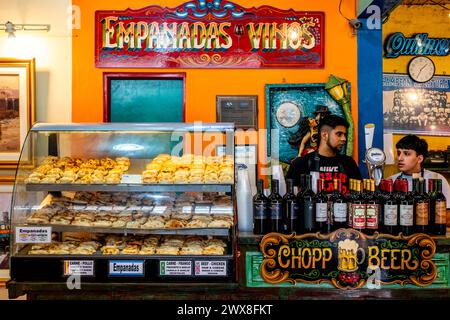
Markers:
440,214
322,209
390,211
359,209
421,208
339,206
276,208
431,192
307,207
372,209
290,208
350,198
406,209
261,221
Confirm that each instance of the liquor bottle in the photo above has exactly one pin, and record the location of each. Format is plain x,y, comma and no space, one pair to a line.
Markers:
350,198
322,209
261,221
406,209
372,209
339,206
290,208
421,208
431,192
440,214
390,211
307,207
359,209
276,208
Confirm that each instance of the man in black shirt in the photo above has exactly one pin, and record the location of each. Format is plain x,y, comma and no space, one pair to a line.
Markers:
327,161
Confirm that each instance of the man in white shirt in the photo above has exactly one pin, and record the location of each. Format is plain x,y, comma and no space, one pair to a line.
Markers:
411,152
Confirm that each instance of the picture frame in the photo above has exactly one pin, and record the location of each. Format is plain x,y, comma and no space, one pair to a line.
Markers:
411,107
120,106
242,110
17,109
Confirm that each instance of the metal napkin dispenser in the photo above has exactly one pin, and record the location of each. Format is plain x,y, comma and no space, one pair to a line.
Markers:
375,160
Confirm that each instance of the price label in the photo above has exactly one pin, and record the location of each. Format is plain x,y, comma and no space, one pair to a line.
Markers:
33,234
159,209
210,268
131,178
175,268
79,267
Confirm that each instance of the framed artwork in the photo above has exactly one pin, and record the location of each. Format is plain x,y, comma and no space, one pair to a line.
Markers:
287,106
144,97
17,108
414,107
240,110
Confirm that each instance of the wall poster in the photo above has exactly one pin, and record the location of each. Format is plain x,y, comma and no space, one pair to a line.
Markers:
418,108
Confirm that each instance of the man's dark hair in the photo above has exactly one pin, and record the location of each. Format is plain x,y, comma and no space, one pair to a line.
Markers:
412,142
332,121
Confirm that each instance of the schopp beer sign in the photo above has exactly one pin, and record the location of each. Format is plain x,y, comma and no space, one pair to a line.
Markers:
213,33
347,258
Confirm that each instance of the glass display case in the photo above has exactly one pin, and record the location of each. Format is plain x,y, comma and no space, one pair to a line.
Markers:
125,202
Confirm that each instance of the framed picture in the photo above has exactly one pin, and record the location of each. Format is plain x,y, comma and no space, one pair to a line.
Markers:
144,97
413,107
244,154
17,107
240,110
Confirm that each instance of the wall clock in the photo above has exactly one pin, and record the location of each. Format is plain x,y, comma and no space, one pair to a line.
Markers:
288,114
421,69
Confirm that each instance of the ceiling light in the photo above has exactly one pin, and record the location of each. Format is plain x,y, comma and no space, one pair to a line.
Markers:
10,28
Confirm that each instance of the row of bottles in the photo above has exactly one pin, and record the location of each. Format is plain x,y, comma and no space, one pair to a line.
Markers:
367,209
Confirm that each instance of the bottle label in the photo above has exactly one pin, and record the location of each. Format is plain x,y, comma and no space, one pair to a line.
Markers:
372,216
390,215
340,212
350,214
441,212
275,211
321,212
359,216
406,215
308,208
422,214
294,210
260,211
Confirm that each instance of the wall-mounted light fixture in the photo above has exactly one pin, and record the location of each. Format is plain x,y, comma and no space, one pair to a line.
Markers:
10,28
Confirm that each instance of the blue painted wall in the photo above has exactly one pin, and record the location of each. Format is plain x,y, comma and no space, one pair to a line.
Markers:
370,85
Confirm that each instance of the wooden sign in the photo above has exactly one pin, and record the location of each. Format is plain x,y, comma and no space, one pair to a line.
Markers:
348,259
209,33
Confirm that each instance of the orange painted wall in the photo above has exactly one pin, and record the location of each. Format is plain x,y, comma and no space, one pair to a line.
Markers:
202,85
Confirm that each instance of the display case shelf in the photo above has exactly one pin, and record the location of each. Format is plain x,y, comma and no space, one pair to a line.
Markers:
125,231
130,187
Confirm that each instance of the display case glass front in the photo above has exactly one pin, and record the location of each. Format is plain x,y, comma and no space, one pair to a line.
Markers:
125,202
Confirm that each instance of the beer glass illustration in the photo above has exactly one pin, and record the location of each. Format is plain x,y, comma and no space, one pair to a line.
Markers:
348,255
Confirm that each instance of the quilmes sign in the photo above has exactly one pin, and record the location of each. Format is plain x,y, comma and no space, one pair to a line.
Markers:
348,258
209,33
398,45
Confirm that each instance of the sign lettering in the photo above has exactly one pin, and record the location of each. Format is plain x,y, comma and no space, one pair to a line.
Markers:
344,257
215,34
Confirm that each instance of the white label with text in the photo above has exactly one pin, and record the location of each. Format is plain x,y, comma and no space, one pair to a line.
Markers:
79,267
126,268
33,234
175,268
210,268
